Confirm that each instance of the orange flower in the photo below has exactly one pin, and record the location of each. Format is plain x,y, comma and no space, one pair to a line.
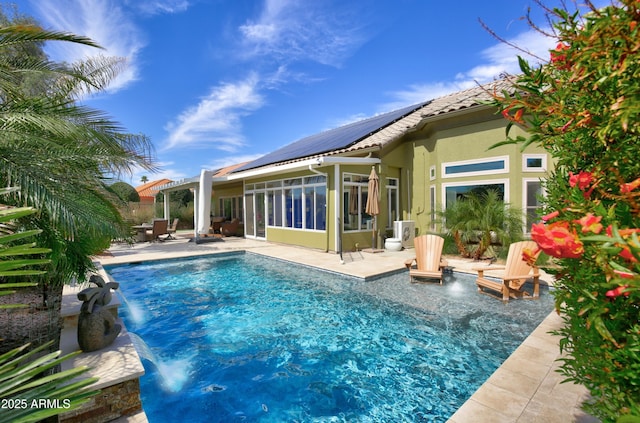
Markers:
628,187
624,233
557,239
624,275
517,116
529,256
582,179
550,216
590,223
627,255
616,292
558,57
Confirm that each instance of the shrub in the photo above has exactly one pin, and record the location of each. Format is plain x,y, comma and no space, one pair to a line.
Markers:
584,108
480,221
125,192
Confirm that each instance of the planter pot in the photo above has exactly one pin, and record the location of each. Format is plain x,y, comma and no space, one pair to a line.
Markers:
393,244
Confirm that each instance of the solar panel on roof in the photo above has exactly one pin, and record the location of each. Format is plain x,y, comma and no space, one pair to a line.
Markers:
332,139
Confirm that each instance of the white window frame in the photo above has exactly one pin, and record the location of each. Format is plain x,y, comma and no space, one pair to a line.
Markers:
392,188
445,165
443,190
525,182
526,168
271,187
346,186
433,198
432,173
237,206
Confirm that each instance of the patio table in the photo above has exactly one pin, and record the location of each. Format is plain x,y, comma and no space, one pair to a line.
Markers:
141,231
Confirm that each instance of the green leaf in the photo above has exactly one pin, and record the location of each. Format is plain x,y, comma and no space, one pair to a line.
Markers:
628,419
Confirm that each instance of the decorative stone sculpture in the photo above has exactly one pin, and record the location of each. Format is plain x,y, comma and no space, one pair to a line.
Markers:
97,327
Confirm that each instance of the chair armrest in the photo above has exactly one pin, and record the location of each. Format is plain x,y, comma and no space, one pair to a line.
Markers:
527,276
494,267
408,263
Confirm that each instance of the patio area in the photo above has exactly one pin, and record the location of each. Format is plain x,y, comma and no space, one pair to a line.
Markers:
526,388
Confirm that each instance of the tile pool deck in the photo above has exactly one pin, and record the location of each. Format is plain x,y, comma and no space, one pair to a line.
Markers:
525,389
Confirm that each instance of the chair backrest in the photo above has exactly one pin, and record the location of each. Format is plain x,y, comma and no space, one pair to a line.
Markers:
174,224
230,228
428,251
159,227
515,265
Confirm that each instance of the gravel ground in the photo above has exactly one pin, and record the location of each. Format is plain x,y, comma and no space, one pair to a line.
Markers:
35,323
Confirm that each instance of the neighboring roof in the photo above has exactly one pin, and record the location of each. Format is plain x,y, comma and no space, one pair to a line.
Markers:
150,189
195,180
332,139
379,130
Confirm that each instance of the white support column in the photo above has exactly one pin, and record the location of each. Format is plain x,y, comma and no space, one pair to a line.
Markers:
337,202
196,202
204,203
167,214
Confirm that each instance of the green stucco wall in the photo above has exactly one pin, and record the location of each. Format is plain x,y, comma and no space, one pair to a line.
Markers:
461,139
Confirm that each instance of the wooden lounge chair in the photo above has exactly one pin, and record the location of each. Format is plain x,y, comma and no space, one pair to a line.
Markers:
516,273
428,261
160,227
230,228
172,229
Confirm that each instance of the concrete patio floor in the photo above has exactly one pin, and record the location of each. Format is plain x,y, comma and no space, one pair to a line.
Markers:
525,389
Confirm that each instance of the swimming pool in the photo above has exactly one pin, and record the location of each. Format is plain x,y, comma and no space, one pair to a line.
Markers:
245,338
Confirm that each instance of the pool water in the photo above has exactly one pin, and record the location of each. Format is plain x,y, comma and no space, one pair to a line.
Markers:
243,338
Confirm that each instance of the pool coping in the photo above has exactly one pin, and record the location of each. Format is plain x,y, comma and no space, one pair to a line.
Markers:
526,388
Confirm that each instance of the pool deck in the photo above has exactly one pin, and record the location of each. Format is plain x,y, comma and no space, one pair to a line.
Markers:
525,389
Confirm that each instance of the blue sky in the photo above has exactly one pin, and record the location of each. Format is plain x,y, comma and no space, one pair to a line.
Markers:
217,82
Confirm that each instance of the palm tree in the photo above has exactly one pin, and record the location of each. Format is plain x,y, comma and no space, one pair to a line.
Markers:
61,153
144,179
479,220
17,259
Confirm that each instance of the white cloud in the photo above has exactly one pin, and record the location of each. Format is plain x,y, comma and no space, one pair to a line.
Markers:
215,120
104,22
155,7
291,31
497,59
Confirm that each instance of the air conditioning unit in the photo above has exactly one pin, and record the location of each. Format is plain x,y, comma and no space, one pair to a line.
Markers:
405,230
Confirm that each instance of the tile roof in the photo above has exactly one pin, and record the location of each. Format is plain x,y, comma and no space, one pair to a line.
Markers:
379,130
150,189
449,103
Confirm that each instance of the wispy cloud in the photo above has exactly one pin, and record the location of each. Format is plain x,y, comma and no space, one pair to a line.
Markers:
292,30
216,120
105,22
149,7
497,59
286,33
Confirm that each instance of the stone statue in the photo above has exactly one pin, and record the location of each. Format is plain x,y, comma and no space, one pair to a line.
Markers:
97,326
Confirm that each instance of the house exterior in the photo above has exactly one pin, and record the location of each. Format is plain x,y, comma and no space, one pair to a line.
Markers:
313,192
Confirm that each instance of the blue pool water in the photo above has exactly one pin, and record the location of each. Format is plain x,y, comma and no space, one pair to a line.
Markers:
242,338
